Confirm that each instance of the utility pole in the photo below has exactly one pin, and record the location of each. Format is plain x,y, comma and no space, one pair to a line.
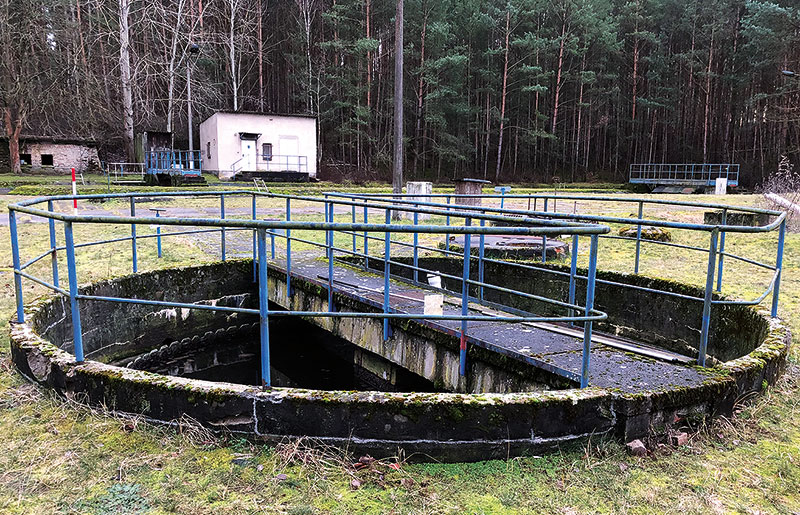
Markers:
193,51
397,172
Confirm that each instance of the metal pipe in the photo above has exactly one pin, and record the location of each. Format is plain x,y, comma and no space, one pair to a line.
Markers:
779,268
329,252
263,308
386,271
72,272
54,253
255,243
638,238
12,223
573,270
158,236
416,251
366,237
133,236
288,250
587,326
222,233
481,250
544,238
447,223
721,250
462,368
353,219
708,297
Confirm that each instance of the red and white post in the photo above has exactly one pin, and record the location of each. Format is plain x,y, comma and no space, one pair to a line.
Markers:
74,193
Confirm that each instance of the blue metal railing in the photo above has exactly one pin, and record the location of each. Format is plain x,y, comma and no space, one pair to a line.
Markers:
688,174
173,162
541,223
715,250
277,229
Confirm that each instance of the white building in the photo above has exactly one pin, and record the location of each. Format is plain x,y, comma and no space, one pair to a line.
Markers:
272,146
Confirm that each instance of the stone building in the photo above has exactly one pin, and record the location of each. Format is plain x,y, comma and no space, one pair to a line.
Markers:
51,154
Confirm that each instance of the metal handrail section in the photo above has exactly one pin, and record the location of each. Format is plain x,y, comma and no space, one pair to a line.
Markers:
119,171
272,163
272,229
691,174
174,162
715,251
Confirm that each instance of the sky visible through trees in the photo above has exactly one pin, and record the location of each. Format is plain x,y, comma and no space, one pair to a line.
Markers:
516,90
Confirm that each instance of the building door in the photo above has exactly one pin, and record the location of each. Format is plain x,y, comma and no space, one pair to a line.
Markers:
249,155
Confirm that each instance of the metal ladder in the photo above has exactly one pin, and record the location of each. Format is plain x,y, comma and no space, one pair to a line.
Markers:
259,183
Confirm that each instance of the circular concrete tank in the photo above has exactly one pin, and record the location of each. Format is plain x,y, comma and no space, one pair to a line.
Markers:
449,426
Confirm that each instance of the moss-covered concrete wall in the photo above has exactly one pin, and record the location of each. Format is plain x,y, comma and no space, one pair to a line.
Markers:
113,331
667,321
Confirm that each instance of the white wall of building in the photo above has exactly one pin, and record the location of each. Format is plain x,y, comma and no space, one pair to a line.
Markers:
222,145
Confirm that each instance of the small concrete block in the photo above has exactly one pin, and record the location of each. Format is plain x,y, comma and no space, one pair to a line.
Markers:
636,448
679,439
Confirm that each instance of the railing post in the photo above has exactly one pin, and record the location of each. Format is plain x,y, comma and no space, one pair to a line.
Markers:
255,243
638,238
416,250
707,298
288,250
462,351
222,229
72,272
329,242
778,267
353,219
544,238
133,236
158,235
721,249
447,222
481,251
263,307
53,252
587,326
12,223
386,271
366,237
573,271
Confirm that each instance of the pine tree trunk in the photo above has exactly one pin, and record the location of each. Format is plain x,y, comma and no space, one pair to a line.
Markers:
503,102
420,94
397,173
707,110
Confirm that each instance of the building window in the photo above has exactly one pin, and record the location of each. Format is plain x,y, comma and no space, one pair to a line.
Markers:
47,159
24,159
266,151
208,150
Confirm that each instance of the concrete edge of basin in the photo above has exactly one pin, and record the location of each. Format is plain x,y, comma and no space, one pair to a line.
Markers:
423,426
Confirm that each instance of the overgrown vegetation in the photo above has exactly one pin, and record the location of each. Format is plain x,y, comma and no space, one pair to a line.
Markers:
59,456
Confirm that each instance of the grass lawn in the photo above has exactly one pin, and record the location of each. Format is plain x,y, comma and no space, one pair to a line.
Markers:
57,456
